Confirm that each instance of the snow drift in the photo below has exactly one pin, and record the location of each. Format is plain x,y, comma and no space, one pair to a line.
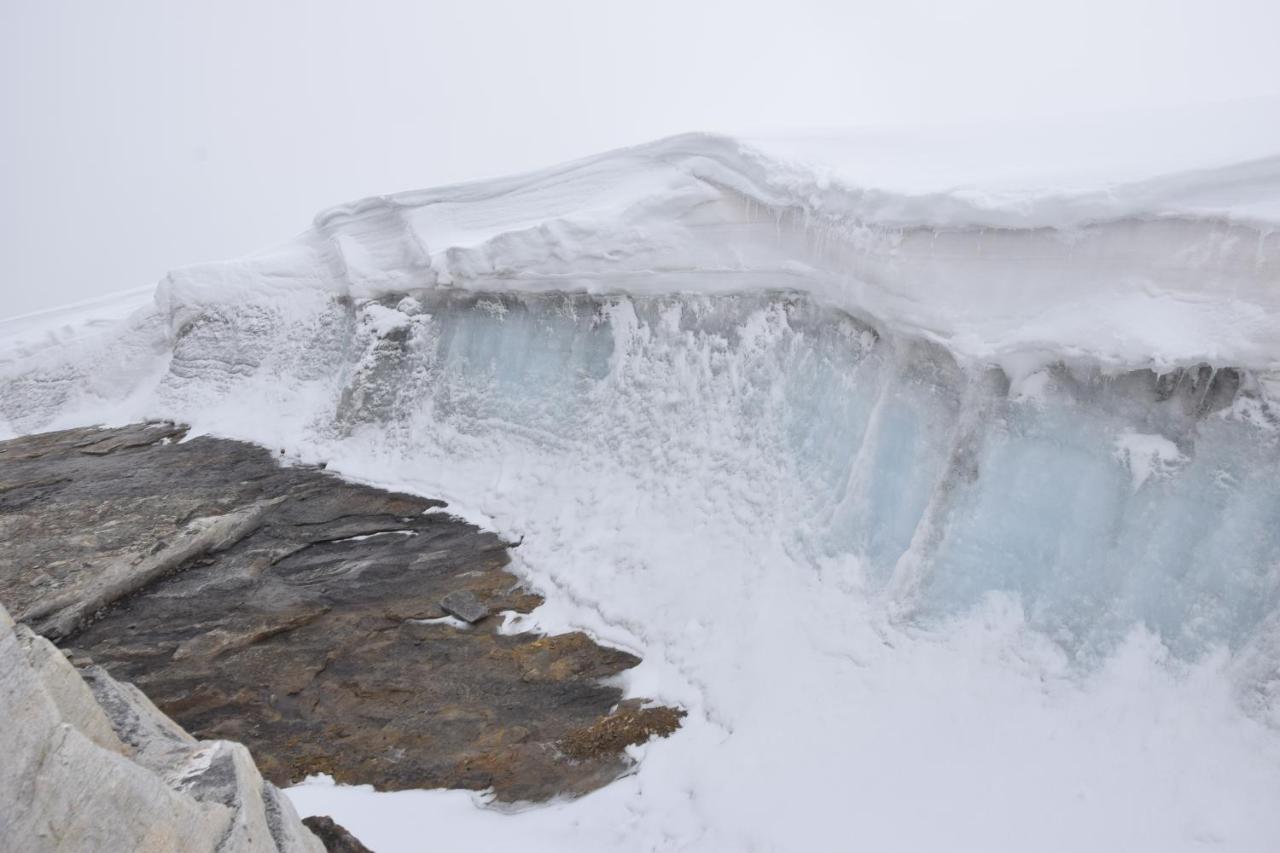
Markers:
953,501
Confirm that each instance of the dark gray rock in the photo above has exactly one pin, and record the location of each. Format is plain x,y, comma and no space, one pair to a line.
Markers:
465,606
334,837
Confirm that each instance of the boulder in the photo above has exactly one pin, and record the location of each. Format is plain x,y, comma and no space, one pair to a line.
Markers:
91,765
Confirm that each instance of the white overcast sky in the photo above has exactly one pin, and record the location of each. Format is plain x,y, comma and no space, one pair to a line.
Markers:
146,134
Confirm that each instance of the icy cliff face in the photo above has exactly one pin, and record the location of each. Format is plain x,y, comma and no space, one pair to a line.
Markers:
972,479
1103,500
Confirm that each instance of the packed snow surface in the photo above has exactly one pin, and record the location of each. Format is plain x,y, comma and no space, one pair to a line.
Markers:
937,481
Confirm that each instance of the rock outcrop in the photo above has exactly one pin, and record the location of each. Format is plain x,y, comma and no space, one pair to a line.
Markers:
90,764
330,626
336,839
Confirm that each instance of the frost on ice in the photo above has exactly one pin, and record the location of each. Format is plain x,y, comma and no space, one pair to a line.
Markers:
1145,455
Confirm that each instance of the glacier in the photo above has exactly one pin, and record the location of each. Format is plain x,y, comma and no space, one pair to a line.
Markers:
947,509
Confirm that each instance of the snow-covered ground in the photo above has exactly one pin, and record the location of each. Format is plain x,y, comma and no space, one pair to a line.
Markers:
938,480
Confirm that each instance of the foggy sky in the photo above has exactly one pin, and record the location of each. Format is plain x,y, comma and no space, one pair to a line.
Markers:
144,135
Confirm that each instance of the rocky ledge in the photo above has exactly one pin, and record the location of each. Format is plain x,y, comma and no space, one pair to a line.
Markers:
330,626
91,765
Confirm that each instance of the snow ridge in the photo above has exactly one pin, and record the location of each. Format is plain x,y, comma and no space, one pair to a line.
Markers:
1160,272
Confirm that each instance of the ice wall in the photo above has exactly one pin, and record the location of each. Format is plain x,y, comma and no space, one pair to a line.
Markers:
1102,501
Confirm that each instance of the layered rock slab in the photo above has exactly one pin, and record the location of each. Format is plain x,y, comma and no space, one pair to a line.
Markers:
302,615
91,765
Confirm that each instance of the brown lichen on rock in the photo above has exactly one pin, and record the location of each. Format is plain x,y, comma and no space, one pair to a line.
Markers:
630,724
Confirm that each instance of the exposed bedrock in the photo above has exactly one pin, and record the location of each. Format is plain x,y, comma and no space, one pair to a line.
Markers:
306,616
